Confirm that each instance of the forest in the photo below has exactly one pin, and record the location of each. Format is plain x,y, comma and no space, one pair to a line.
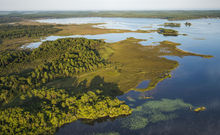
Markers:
9,19
41,111
18,31
170,15
55,59
52,107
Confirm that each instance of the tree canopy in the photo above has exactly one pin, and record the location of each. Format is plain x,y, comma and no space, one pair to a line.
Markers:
28,106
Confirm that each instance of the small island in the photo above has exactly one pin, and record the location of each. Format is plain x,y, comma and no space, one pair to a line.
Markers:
168,32
187,24
172,24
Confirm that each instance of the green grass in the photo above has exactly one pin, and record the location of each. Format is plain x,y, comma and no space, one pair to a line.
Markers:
132,63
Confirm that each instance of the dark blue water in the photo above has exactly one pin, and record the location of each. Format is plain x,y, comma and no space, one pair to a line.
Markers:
195,83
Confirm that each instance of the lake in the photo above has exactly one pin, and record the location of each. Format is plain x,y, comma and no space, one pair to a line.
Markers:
195,83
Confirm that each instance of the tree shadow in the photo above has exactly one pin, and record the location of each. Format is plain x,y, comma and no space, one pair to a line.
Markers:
75,87
98,83
108,88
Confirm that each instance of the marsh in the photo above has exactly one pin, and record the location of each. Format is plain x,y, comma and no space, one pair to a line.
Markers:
158,77
194,80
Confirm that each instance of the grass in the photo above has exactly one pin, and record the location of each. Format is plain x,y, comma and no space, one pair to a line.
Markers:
12,44
88,29
85,29
134,63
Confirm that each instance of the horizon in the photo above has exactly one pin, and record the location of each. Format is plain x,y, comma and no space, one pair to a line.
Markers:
108,10
113,5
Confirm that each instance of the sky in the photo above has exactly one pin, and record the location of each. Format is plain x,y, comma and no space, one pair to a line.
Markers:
24,5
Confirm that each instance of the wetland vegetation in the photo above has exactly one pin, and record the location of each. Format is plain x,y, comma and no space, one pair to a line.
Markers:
26,73
72,79
153,112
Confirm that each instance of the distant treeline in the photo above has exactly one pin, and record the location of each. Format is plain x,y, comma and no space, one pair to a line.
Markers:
170,15
9,19
18,31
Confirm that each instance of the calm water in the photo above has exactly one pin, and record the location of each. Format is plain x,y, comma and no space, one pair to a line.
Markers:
196,81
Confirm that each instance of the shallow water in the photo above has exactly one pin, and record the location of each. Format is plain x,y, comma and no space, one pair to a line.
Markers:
196,81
